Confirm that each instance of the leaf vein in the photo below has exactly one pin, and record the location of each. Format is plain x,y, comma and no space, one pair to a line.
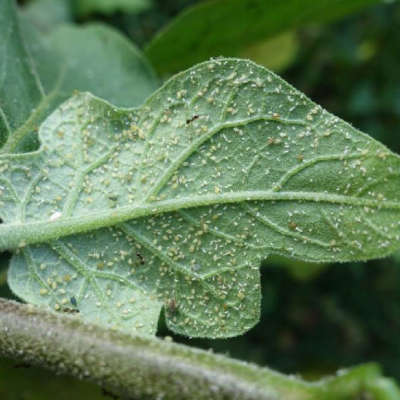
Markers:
285,232
181,158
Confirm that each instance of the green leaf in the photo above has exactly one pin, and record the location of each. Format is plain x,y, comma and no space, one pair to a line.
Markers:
276,53
18,79
46,15
85,7
228,27
223,165
100,60
39,72
383,389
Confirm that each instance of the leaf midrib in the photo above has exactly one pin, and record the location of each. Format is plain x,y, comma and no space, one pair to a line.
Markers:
16,234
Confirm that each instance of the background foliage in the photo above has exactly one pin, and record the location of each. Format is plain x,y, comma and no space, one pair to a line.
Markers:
315,318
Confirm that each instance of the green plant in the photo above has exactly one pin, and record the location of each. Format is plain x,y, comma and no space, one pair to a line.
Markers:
121,212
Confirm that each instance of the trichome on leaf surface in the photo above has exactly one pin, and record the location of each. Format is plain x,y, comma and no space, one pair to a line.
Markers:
127,210
119,200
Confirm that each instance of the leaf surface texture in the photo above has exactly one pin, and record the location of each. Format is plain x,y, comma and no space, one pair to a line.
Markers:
175,203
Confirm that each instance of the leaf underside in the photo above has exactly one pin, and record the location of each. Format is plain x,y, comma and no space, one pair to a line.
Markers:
223,165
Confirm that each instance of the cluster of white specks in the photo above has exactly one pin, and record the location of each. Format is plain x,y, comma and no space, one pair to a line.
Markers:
247,166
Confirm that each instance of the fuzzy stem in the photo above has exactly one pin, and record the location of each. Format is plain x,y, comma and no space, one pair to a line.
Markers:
149,368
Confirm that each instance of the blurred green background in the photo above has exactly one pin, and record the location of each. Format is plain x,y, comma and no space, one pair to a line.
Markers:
315,318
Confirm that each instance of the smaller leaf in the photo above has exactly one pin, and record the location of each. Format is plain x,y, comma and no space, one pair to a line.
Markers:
50,67
227,27
46,15
100,60
276,53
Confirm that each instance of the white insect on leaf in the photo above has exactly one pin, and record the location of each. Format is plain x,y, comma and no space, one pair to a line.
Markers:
131,210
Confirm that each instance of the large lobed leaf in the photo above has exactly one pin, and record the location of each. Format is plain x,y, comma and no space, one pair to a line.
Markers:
227,27
223,165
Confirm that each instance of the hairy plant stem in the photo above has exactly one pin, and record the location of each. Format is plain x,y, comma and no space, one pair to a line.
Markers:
149,368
